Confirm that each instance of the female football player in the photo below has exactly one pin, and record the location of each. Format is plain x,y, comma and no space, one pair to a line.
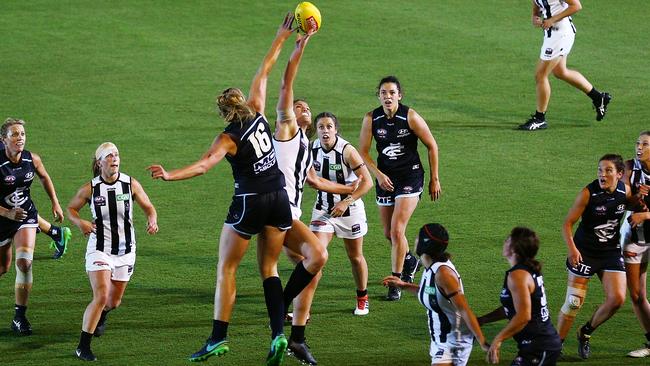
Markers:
260,204
523,300
452,324
110,254
396,129
18,214
635,236
554,18
595,248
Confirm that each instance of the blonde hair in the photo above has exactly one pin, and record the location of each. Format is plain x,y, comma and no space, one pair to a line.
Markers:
8,123
232,106
100,153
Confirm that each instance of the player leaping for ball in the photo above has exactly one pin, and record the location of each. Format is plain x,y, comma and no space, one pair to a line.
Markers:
554,17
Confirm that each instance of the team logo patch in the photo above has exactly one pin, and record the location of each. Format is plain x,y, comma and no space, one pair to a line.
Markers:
31,221
123,197
100,201
129,270
415,167
408,189
335,166
381,132
10,179
317,165
403,132
318,223
548,51
601,210
100,264
29,176
356,228
430,290
620,208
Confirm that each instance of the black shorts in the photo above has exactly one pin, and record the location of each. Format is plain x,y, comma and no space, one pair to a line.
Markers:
536,358
249,213
591,265
8,228
410,185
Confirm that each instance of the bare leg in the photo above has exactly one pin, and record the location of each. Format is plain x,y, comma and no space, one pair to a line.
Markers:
354,248
543,87
572,77
404,208
24,240
100,281
565,321
232,247
614,287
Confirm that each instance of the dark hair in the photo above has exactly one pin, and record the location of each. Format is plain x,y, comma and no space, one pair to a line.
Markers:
525,244
390,79
433,240
645,133
328,115
616,159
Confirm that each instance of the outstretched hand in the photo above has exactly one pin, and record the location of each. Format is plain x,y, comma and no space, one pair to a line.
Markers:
286,28
158,172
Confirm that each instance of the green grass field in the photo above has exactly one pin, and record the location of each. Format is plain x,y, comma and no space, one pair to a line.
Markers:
144,75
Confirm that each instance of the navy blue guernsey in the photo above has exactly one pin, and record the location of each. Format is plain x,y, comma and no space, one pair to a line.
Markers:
396,143
638,177
254,167
539,334
16,181
598,233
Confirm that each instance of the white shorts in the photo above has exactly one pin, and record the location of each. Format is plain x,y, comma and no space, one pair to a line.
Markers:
121,266
636,254
344,227
456,352
559,44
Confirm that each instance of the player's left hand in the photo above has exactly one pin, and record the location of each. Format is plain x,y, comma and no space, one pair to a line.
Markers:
434,189
152,227
57,212
547,23
638,218
493,353
392,281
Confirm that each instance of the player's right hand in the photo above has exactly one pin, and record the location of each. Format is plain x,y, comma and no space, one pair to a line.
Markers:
16,214
158,172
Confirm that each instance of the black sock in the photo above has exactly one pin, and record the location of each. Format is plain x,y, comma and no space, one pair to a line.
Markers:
647,337
20,310
595,95
298,333
219,331
274,304
54,233
102,318
587,329
397,274
84,341
540,115
362,293
298,280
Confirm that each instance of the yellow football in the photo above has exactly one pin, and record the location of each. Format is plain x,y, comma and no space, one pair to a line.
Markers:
308,17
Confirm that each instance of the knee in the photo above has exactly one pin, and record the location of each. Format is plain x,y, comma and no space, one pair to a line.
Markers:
396,233
24,265
616,301
560,73
574,300
319,258
540,76
101,298
356,259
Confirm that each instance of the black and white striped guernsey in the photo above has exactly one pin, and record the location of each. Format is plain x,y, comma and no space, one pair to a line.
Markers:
445,322
639,176
329,164
112,208
294,161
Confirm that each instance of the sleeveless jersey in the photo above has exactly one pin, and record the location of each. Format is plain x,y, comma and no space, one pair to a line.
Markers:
598,233
539,333
396,143
445,322
17,179
254,167
112,208
640,234
294,161
549,8
330,165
